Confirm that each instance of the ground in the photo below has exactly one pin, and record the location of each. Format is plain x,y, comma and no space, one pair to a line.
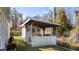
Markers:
22,46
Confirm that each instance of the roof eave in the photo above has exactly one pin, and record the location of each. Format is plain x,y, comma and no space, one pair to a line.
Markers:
54,24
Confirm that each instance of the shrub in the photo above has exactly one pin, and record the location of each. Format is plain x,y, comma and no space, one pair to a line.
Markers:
11,44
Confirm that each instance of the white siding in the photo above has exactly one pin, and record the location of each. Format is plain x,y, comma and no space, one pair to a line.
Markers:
4,32
1,47
23,32
43,41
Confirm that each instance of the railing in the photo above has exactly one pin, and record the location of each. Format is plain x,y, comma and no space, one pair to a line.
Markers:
43,41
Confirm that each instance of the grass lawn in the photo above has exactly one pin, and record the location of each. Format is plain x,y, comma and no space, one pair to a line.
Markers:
22,46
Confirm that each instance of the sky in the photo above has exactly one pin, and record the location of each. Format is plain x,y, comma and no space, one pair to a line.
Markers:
32,11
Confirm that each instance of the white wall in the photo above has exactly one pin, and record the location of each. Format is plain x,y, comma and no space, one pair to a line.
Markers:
28,34
43,41
4,27
1,33
4,32
23,32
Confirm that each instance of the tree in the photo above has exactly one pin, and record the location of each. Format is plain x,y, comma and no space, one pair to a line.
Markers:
50,16
77,23
77,19
16,19
16,22
61,18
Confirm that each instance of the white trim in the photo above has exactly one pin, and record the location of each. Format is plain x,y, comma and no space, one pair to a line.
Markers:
25,22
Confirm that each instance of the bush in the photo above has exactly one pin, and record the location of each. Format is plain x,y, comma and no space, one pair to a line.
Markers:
11,46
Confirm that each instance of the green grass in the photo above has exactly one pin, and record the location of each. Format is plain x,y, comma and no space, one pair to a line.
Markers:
22,46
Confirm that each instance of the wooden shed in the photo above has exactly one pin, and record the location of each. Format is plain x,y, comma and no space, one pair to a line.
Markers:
39,33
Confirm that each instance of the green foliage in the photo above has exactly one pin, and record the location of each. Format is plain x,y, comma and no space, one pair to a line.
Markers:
15,31
62,19
58,21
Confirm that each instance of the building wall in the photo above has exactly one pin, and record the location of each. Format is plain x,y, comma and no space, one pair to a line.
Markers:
29,31
36,31
26,33
23,32
4,32
43,41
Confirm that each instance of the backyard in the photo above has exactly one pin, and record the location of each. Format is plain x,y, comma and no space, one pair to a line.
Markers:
22,46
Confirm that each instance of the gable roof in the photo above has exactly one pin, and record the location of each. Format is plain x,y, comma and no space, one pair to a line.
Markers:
39,23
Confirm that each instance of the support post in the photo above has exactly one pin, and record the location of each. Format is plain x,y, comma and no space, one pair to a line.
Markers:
54,30
43,31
